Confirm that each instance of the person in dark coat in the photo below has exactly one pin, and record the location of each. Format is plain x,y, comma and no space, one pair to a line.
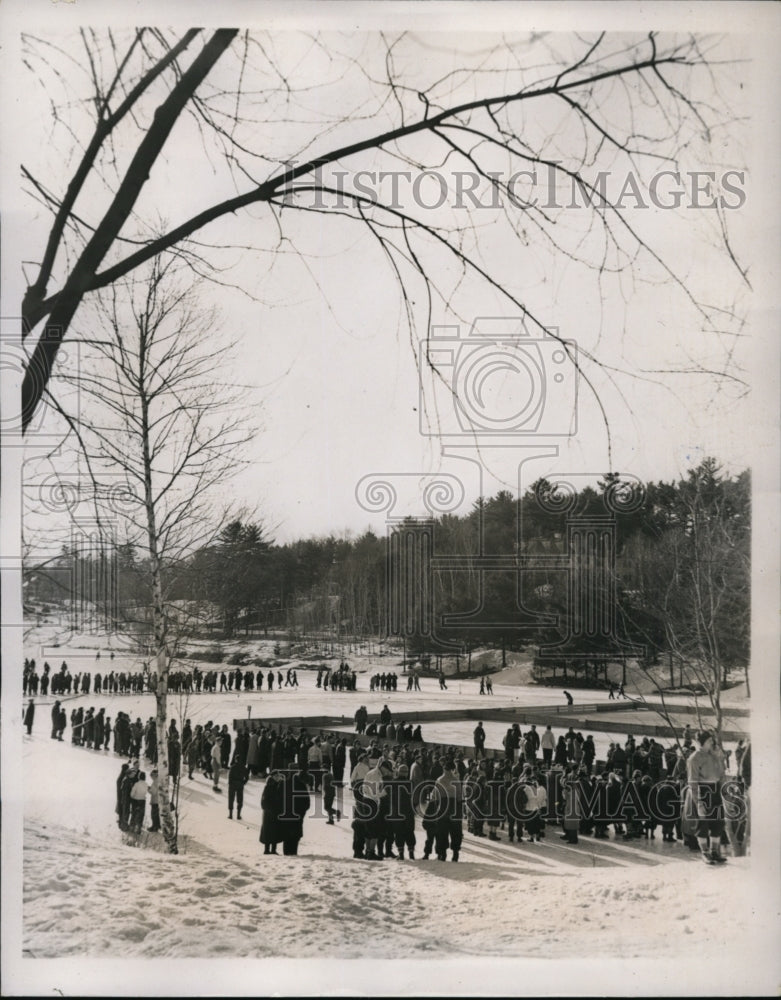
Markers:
241,749
618,760
296,806
193,752
278,755
89,727
477,798
128,780
665,804
272,803
55,719
264,752
571,811
120,782
174,758
225,747
340,761
496,797
430,812
449,830
478,738
589,753
401,812
29,716
329,794
238,776
63,722
98,730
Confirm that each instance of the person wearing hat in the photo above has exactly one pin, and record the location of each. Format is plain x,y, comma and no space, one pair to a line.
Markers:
705,774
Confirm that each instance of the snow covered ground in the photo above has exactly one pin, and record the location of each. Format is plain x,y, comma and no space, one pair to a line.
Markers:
91,913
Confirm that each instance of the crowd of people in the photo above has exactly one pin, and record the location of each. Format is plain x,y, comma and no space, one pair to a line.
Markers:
397,786
689,799
63,682
387,681
343,679
687,788
385,728
197,681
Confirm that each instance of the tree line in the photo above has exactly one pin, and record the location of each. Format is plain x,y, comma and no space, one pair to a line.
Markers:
680,574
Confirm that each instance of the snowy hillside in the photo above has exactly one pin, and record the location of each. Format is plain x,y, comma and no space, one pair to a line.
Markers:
100,910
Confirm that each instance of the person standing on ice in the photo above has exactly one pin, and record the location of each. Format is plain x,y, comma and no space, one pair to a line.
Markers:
449,797
238,776
705,775
216,762
120,788
478,737
296,806
138,803
272,805
548,745
29,716
55,719
329,795
373,793
154,802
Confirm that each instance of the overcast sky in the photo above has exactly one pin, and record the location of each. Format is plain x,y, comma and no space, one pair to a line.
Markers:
323,341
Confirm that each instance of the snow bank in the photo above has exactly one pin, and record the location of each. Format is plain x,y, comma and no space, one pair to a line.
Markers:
98,915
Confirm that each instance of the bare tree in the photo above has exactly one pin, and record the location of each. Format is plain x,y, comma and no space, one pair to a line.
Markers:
155,413
696,582
282,124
